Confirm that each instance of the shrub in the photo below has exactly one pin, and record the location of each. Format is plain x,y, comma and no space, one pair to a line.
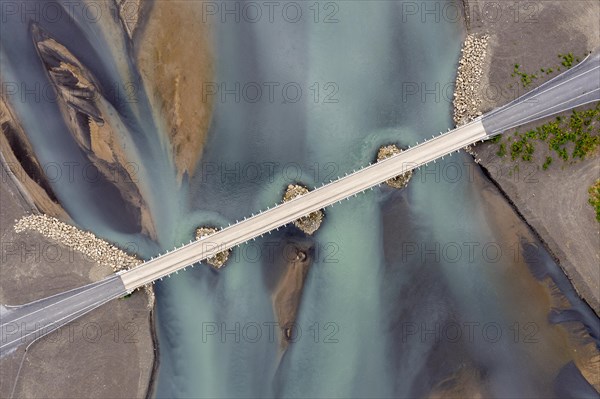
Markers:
496,139
580,131
501,151
567,59
547,163
594,199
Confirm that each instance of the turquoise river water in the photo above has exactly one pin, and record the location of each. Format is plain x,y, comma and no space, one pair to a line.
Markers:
413,293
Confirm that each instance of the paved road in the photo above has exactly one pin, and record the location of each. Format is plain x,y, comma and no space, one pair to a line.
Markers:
24,324
577,86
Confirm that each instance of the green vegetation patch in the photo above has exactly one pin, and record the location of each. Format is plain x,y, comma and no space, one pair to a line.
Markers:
566,60
594,199
526,78
570,138
547,163
501,150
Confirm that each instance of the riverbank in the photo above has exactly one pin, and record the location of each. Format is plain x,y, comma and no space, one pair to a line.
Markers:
107,353
522,53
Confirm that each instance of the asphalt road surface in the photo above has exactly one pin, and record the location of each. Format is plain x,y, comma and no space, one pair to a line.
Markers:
24,324
575,87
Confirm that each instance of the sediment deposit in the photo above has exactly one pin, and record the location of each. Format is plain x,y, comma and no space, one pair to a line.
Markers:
22,166
93,123
288,292
173,50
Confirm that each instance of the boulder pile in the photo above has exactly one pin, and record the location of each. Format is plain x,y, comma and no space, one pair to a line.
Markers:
85,242
467,98
399,181
309,223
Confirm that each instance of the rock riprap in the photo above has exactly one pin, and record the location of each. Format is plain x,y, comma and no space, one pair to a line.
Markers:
399,181
219,259
467,98
85,242
309,223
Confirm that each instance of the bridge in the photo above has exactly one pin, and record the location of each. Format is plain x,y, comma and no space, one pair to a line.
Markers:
24,324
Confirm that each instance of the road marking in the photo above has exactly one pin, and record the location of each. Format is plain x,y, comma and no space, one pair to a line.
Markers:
84,289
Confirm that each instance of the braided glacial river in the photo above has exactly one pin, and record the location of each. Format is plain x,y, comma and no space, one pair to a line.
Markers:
437,290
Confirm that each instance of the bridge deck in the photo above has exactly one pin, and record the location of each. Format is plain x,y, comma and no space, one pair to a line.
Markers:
287,212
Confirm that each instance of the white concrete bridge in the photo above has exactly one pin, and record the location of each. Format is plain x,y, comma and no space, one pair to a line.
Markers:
24,324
